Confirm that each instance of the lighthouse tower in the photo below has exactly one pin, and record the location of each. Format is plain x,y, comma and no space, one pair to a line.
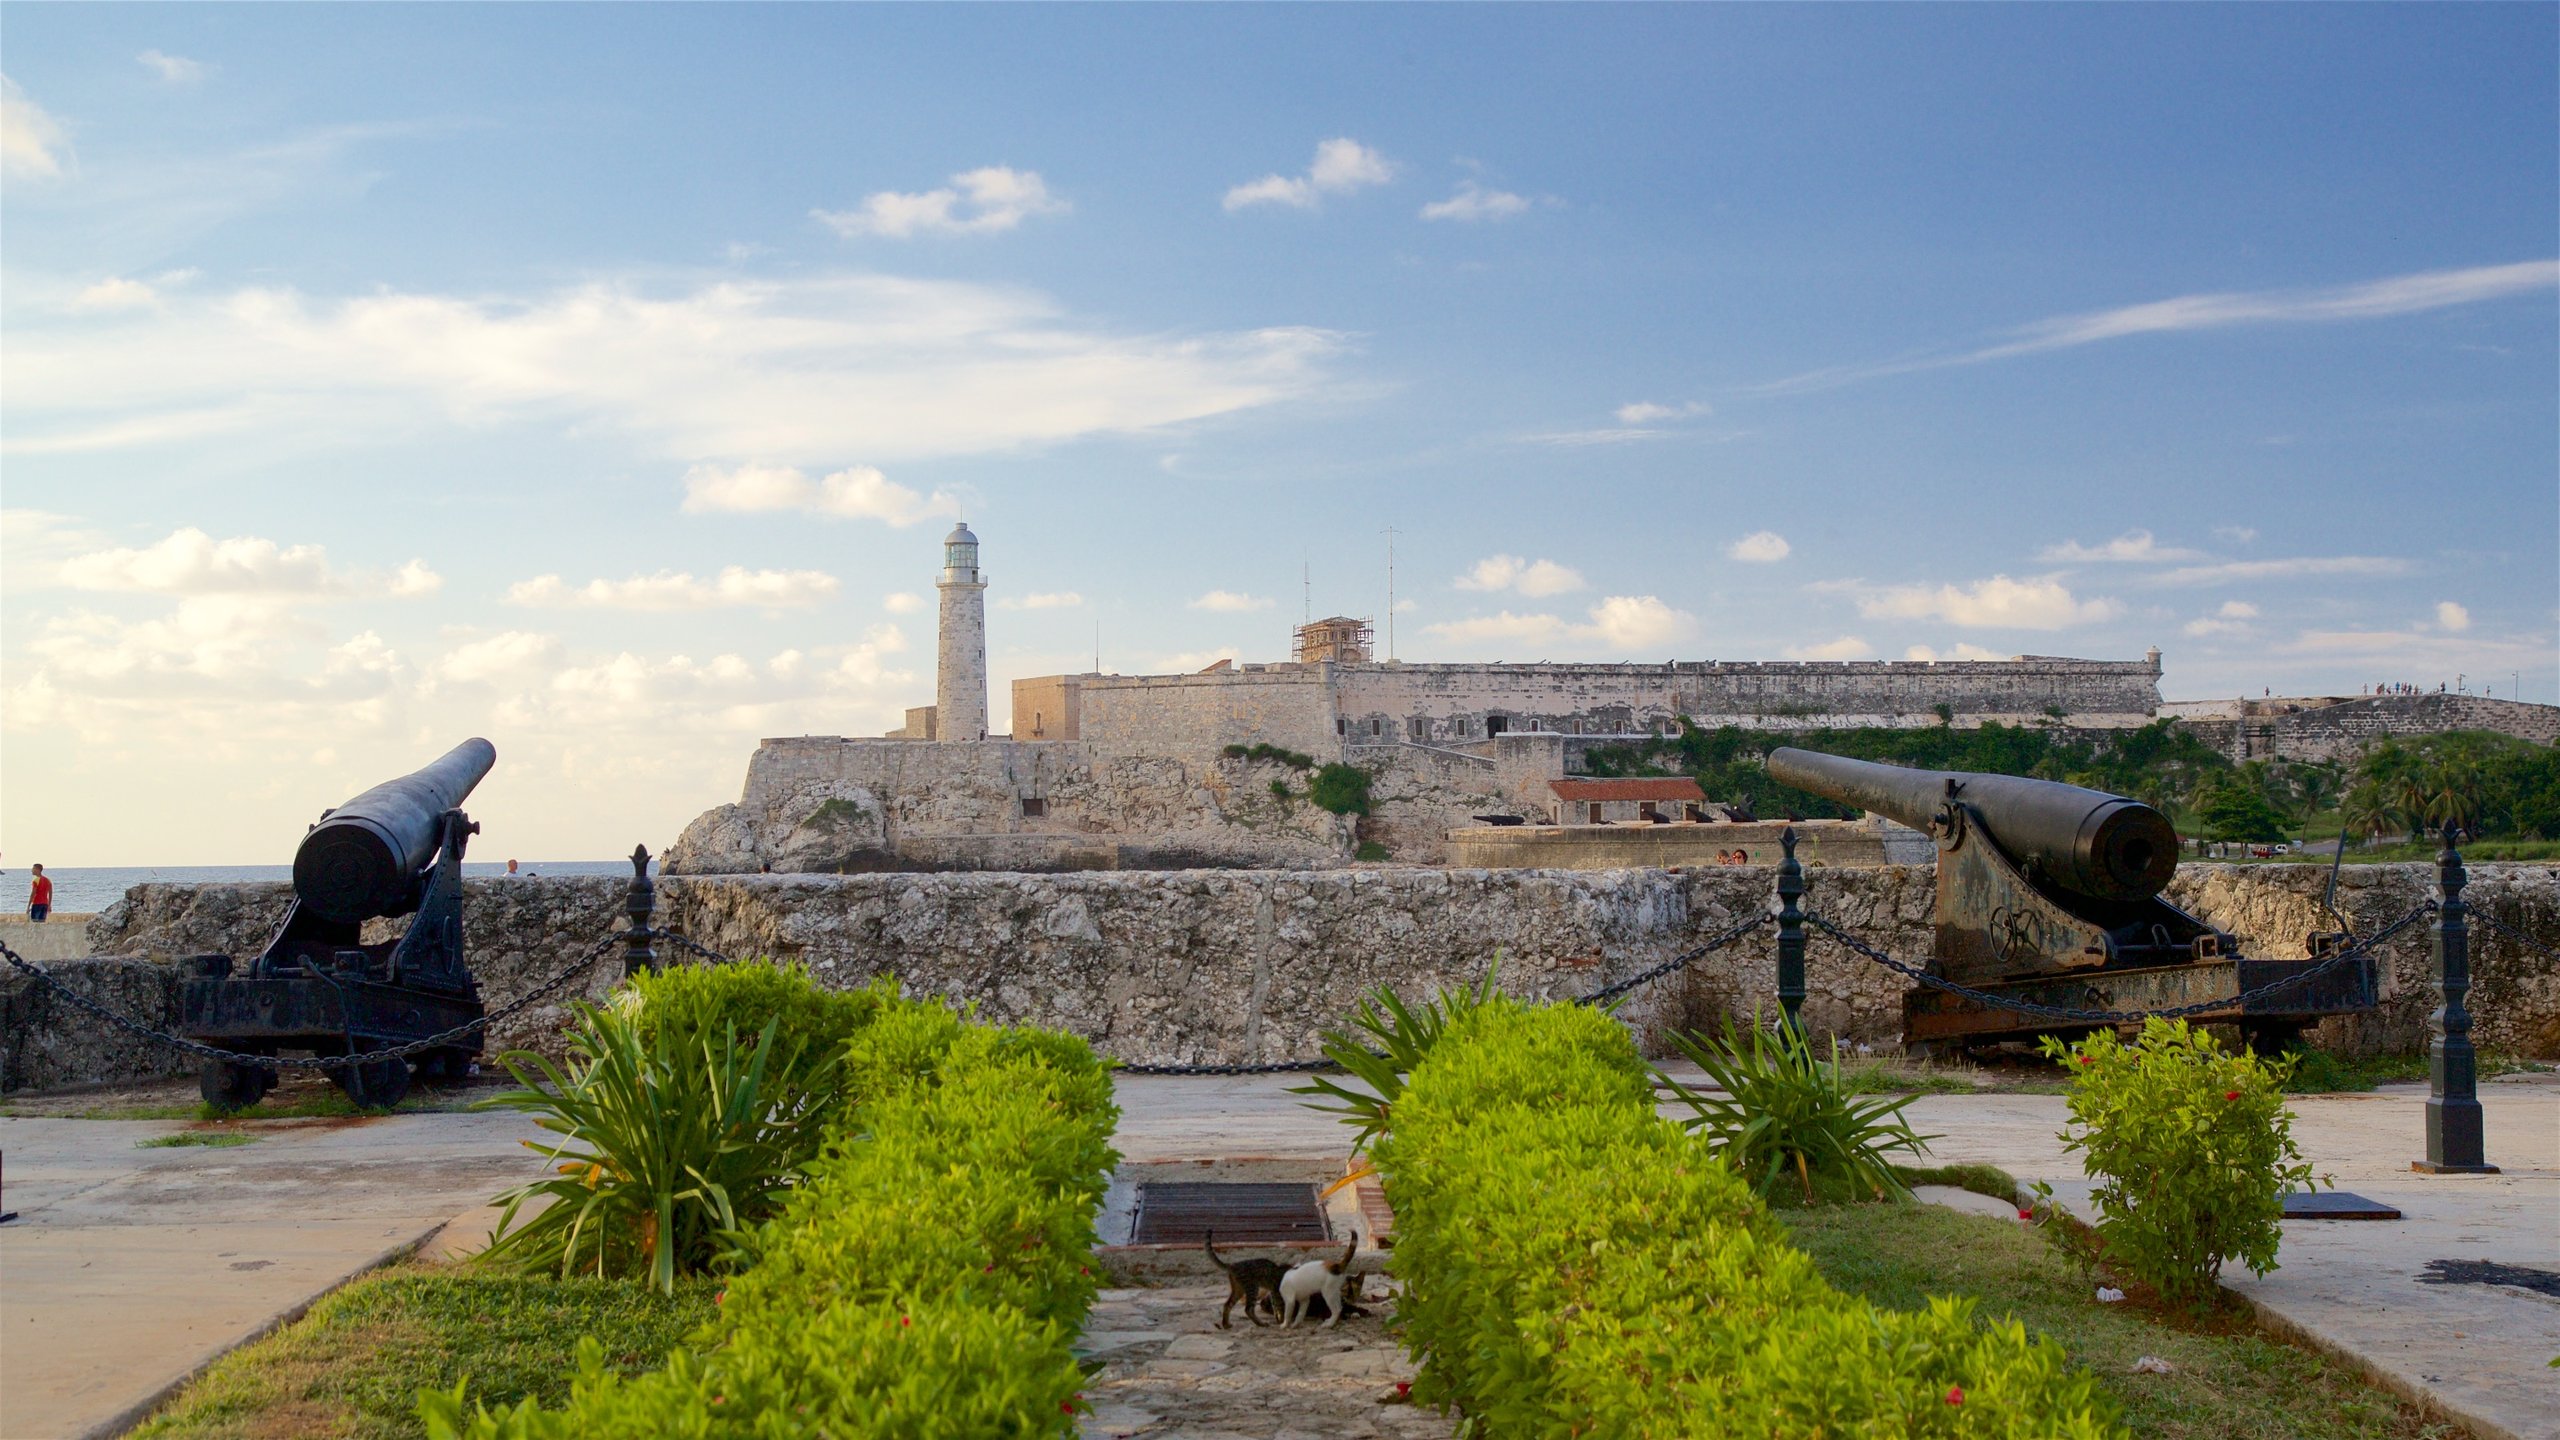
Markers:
960,670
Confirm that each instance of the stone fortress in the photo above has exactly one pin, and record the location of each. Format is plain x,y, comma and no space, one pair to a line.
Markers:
1141,771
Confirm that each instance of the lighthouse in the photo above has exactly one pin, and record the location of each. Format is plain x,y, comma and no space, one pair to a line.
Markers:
960,668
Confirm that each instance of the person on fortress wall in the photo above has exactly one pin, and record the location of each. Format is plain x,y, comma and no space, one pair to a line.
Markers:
40,897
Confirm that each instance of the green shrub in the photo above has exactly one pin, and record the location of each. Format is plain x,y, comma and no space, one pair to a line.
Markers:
1574,1264
1342,789
928,1280
1280,790
1785,1112
666,1144
1371,852
1274,754
699,1001
2192,1149
1403,1035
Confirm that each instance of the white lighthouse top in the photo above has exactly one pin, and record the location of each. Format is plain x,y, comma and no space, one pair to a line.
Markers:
960,556
960,535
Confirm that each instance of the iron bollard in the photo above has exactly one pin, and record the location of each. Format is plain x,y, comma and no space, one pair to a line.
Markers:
2454,1144
1790,931
640,903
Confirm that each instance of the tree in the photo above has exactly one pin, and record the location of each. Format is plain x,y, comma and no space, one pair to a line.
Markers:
2236,811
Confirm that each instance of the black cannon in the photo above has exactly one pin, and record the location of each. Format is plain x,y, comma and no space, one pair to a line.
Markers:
2050,893
394,850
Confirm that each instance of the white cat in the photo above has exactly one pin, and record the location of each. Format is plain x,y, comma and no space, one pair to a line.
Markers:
1317,1277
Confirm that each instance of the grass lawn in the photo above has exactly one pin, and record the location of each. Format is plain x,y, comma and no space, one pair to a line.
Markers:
2230,1382
351,1369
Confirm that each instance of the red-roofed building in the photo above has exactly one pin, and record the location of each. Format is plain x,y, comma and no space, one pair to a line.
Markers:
1613,802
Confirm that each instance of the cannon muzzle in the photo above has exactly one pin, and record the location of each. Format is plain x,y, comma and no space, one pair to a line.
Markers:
362,860
2085,841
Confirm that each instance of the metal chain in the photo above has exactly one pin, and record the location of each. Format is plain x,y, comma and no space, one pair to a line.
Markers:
687,942
203,1051
2356,951
2511,932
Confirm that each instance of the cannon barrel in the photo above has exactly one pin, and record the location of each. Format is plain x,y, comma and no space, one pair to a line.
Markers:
2085,841
362,860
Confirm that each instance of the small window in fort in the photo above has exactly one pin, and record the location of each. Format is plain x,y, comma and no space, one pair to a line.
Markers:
1377,728
1036,730
1033,807
1341,726
1595,812
1495,725
1418,728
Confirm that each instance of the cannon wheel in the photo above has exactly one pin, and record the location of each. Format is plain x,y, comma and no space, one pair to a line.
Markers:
379,1085
227,1086
448,1066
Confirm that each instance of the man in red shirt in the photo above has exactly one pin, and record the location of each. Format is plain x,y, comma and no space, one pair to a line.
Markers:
39,897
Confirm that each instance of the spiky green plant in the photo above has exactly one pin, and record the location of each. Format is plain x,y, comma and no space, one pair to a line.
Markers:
1386,1039
1785,1109
669,1143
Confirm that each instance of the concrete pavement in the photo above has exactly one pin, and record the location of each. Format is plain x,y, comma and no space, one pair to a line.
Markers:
128,1270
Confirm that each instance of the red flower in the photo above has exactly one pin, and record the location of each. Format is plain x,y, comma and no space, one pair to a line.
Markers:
720,1299
1066,1407
905,1320
2230,1094
1404,1389
2026,1214
1955,1394
2085,1060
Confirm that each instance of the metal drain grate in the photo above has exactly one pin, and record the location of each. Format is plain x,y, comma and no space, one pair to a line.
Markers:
1180,1212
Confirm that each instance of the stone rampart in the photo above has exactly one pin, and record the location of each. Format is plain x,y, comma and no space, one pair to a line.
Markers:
2331,730
1240,966
1196,716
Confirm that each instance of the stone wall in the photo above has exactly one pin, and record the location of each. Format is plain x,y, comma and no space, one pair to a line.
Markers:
821,804
1235,966
1290,706
1819,843
2339,729
47,1044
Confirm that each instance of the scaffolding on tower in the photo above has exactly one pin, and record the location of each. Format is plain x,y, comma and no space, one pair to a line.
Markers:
1337,638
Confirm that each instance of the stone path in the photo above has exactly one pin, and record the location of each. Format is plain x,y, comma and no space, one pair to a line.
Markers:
1170,1374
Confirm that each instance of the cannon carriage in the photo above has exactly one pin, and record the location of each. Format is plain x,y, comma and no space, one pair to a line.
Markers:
394,850
2049,894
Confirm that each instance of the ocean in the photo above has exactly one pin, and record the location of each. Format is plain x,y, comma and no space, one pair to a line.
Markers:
78,891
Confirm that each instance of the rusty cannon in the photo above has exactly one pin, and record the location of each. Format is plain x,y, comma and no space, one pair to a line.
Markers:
394,850
2050,894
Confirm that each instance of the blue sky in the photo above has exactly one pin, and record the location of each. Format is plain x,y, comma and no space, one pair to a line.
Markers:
600,378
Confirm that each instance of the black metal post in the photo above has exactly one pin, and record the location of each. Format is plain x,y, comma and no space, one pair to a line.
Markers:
2453,1074
1790,931
640,903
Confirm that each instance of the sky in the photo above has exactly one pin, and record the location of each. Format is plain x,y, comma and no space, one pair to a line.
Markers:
601,379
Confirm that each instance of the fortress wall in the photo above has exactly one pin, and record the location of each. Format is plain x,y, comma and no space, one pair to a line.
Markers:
1439,704
1195,716
1251,965
2293,730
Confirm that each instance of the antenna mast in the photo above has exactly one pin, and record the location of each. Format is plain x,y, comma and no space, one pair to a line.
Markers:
1391,592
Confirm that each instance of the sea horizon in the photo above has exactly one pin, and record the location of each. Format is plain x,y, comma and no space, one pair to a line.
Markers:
87,889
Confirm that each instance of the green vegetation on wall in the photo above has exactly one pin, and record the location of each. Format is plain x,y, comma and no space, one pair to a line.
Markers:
1342,789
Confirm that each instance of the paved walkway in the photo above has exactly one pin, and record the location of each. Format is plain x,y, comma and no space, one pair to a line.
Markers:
128,1270
131,1268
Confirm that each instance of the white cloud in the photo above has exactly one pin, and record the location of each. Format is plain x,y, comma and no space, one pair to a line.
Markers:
1996,603
2205,626
31,141
1847,647
1341,165
510,653
1044,600
1645,412
1535,578
2366,300
33,543
976,202
116,293
2237,610
1230,600
1618,624
1605,435
2234,534
172,69
855,493
789,372
2133,545
1964,651
1760,547
902,603
2452,617
675,590
2301,567
1183,662
1476,202
190,562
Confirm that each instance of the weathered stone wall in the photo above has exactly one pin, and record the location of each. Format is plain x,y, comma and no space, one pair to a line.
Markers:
1251,965
825,805
1290,706
2328,730
48,1044
1820,843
